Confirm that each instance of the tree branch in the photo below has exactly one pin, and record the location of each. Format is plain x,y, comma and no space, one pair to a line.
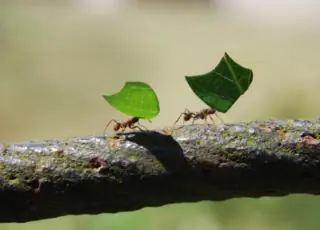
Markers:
92,175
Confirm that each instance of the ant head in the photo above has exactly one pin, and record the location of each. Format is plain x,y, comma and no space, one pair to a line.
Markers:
117,126
187,116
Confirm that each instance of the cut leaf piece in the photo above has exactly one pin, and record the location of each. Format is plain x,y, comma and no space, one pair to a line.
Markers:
135,99
222,87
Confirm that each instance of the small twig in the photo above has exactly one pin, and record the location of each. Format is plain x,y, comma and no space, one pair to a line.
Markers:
92,175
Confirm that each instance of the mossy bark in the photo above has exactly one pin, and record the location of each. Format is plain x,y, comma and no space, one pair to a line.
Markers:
89,175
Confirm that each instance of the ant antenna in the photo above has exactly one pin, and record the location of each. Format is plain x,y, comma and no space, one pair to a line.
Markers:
105,129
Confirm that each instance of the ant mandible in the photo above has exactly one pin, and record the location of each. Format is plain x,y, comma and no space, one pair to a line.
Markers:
130,123
201,115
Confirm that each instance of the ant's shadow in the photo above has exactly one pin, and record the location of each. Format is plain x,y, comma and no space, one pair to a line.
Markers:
163,147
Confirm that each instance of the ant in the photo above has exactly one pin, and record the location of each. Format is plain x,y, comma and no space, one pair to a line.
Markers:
130,123
201,115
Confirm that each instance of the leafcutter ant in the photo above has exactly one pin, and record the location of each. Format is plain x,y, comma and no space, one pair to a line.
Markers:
131,123
201,115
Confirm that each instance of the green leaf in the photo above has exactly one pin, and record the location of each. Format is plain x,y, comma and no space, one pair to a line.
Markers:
221,87
136,99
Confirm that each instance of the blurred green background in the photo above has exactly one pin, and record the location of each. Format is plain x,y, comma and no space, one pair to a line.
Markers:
58,57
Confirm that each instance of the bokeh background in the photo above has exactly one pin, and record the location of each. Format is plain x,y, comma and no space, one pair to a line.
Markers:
58,57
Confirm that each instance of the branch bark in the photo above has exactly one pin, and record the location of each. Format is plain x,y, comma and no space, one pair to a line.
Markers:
90,175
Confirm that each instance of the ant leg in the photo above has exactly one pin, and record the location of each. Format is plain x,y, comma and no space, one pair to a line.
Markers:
105,129
205,120
137,127
141,126
211,118
219,118
193,120
193,117
122,129
181,114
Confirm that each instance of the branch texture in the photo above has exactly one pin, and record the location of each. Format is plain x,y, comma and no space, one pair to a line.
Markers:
90,175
